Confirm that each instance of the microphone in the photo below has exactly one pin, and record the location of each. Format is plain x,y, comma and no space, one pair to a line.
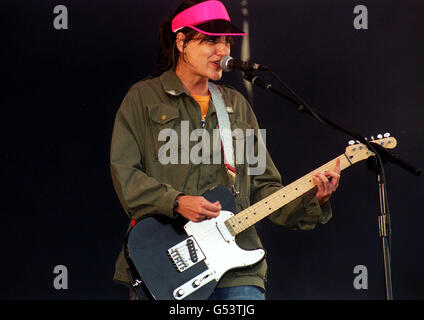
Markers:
228,63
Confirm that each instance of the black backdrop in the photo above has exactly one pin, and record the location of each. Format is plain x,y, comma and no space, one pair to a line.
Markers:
62,88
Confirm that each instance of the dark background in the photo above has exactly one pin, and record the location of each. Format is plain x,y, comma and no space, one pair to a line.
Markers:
62,88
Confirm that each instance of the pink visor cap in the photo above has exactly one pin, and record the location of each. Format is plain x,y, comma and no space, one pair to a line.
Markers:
209,17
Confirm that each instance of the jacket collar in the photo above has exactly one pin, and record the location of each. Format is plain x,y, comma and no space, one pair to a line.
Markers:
172,84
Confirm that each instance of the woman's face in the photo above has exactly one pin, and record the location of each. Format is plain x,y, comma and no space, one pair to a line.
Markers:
202,54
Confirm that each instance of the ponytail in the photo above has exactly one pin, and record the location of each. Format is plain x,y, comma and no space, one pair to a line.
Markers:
168,55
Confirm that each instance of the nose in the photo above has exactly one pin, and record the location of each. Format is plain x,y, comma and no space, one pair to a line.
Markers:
222,49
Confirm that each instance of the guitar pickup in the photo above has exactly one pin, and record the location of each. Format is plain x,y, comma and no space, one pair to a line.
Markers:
185,254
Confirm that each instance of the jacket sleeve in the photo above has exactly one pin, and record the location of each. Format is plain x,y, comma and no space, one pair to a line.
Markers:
303,213
138,193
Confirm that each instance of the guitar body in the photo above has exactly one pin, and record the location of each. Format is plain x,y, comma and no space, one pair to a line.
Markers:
178,260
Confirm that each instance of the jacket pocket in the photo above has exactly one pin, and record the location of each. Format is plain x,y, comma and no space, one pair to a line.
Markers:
163,117
166,163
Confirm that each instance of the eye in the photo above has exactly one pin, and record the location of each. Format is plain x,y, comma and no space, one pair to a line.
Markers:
212,39
217,39
229,40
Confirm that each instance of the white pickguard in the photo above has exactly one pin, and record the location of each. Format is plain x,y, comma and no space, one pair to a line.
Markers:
220,250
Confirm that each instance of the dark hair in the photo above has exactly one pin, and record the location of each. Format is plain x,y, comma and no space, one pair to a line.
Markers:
168,55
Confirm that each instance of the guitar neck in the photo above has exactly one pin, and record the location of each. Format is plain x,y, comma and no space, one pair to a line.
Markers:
248,217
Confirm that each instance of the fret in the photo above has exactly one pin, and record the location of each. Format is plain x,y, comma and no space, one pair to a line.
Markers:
277,200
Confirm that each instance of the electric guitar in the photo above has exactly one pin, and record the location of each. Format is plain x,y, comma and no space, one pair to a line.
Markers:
176,259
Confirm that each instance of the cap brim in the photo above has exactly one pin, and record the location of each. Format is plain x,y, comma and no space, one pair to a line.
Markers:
218,28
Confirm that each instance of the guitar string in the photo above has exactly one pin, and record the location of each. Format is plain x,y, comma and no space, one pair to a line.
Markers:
302,182
288,190
276,196
272,201
206,236
276,199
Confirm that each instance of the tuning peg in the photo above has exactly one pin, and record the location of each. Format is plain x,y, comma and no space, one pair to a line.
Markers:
351,142
386,135
379,136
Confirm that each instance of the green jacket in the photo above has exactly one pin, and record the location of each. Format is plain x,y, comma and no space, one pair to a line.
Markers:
144,186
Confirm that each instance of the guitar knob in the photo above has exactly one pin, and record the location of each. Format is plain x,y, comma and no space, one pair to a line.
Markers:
386,135
196,283
180,293
351,142
372,138
379,136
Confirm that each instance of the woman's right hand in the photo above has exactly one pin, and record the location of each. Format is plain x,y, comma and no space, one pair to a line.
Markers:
197,208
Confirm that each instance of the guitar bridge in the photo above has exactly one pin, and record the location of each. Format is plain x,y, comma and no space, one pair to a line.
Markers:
185,254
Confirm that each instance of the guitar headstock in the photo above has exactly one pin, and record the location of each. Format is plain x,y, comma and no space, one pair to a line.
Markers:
357,151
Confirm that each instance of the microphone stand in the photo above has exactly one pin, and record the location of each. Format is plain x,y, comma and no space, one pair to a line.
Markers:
374,163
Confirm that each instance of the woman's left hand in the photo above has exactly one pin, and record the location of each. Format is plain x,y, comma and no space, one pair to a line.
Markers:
327,183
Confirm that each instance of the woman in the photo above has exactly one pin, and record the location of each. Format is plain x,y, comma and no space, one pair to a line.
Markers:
193,41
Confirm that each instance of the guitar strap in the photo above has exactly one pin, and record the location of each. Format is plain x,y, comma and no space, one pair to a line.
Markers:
224,127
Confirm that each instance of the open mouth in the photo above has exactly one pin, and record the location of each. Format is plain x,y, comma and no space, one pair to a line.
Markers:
216,64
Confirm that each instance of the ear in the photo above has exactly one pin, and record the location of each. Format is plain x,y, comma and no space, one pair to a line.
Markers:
179,41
